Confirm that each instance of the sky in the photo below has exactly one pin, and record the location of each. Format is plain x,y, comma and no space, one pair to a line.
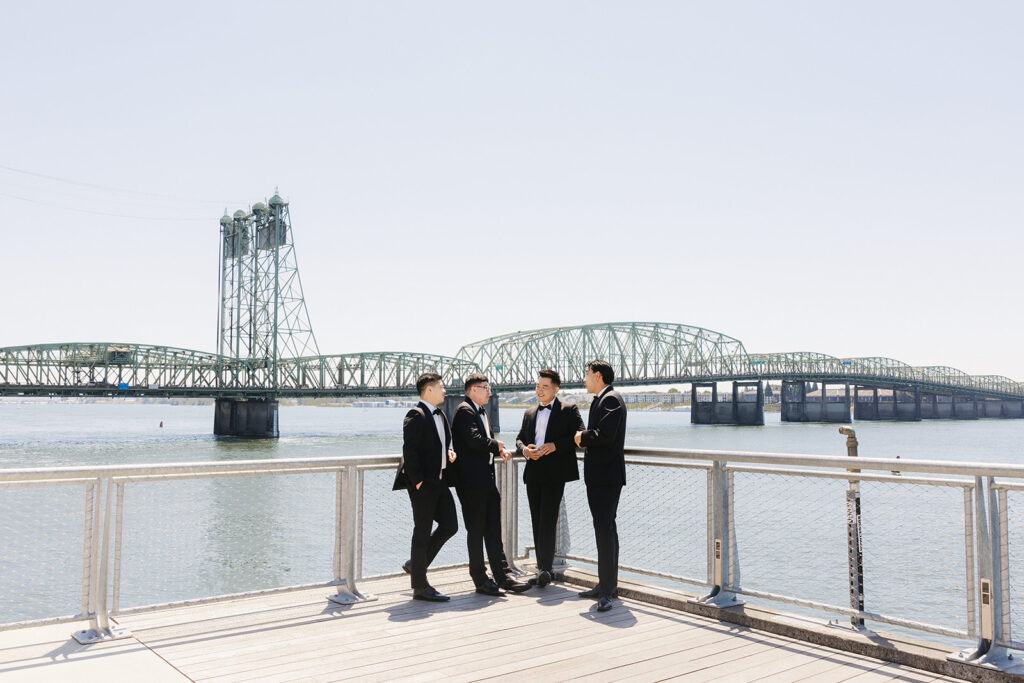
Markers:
803,176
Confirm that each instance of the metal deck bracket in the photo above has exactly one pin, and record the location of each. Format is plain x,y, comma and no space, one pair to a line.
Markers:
987,657
92,635
345,596
719,598
848,626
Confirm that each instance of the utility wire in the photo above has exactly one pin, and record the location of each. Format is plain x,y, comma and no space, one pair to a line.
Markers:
117,189
104,213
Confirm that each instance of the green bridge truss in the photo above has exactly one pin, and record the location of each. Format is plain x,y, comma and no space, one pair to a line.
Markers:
641,353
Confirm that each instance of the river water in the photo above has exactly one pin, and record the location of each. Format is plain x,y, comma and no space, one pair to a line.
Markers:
190,539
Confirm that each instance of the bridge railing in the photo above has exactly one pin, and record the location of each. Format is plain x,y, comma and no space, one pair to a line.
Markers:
923,545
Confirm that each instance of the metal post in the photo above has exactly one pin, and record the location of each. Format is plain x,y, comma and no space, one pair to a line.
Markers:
990,566
346,538
505,475
99,622
720,539
855,556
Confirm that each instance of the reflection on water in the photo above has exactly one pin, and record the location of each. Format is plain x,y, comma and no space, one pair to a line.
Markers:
193,538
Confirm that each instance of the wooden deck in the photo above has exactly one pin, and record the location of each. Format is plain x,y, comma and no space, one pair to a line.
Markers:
544,634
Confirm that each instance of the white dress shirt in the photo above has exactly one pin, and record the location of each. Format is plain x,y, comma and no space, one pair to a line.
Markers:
541,428
439,424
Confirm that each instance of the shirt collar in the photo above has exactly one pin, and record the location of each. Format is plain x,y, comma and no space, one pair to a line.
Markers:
430,408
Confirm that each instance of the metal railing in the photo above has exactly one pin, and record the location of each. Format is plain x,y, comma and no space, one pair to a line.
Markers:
922,545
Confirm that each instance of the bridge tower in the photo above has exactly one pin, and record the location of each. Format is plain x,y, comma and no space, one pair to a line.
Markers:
262,315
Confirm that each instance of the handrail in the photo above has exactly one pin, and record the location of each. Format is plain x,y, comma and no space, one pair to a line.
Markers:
765,458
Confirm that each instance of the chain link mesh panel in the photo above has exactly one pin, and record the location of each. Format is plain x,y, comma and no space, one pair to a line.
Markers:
662,521
387,528
1015,580
190,539
914,552
44,529
791,536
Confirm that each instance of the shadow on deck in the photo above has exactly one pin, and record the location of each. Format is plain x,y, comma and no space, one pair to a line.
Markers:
543,634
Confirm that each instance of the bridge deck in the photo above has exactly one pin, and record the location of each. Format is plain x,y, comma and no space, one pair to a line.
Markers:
547,634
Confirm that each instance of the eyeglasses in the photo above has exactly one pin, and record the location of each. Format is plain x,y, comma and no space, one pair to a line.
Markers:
485,387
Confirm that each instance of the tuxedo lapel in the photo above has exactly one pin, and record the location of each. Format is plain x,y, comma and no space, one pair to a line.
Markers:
592,417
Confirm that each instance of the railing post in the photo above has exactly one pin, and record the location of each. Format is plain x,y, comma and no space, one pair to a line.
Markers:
989,519
346,537
99,572
507,485
563,543
854,540
720,540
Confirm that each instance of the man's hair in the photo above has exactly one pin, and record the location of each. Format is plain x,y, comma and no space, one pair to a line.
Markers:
475,378
551,375
425,380
602,367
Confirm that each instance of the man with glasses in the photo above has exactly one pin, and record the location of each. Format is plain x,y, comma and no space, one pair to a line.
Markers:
474,441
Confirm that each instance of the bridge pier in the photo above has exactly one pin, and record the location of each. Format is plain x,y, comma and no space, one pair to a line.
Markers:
245,418
744,408
898,405
798,406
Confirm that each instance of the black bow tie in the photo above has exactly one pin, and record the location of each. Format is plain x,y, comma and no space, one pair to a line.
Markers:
548,407
480,410
437,411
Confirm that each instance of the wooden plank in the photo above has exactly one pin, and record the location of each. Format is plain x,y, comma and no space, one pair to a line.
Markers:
477,634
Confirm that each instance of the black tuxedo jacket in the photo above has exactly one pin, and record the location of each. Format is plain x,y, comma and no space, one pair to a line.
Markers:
474,447
421,449
559,466
604,463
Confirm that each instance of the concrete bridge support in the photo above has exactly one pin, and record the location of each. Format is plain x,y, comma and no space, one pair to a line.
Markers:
900,405
245,418
800,404
738,408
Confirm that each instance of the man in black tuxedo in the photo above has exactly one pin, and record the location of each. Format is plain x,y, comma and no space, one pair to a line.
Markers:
546,441
423,471
604,472
481,503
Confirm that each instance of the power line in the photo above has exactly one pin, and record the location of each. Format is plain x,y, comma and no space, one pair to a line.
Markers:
106,188
104,213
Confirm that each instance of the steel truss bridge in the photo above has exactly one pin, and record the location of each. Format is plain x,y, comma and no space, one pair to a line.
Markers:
266,349
642,353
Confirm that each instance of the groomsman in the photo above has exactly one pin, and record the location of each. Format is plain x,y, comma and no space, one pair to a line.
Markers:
604,472
546,441
423,471
481,503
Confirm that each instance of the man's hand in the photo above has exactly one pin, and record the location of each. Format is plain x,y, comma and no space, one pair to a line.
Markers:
579,437
451,455
419,485
531,452
547,448
505,455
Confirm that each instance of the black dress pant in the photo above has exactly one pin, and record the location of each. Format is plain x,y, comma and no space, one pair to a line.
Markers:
545,502
604,504
481,513
433,502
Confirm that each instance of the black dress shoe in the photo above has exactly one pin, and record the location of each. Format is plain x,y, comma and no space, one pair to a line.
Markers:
594,593
543,578
407,567
488,587
604,603
510,584
429,593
